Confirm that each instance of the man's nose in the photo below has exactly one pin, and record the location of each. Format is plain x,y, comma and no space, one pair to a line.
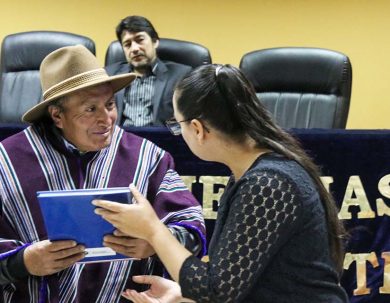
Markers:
135,47
104,115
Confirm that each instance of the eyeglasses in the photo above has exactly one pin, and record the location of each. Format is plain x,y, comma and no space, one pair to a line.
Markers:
174,126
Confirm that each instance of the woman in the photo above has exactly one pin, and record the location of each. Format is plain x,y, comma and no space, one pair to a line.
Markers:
277,237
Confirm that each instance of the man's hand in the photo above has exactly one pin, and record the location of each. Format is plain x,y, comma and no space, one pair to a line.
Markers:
128,246
45,257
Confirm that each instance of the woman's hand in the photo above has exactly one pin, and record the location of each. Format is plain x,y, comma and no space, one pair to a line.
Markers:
161,291
137,220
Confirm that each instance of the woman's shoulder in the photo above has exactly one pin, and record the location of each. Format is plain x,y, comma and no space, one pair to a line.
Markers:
276,163
276,168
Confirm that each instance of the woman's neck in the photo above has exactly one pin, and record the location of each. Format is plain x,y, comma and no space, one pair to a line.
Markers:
240,156
243,162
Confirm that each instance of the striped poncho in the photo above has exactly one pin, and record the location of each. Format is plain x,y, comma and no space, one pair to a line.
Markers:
35,160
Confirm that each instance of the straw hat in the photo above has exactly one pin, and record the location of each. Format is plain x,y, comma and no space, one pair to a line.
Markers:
67,70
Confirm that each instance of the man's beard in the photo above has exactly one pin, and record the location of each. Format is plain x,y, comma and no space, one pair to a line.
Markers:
142,67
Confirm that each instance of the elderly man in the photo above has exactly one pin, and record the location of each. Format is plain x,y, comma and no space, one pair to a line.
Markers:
73,143
148,100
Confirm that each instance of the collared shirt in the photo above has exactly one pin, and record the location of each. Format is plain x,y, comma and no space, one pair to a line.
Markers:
69,146
138,106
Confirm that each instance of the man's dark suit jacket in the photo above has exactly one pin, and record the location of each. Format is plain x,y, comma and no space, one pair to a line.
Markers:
167,75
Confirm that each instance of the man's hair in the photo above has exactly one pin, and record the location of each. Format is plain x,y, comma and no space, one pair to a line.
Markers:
46,118
136,24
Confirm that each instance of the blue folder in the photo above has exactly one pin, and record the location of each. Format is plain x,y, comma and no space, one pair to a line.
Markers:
69,215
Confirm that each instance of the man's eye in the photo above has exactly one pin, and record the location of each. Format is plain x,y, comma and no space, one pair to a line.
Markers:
90,109
111,104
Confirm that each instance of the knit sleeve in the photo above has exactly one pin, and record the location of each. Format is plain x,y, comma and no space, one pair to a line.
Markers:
261,218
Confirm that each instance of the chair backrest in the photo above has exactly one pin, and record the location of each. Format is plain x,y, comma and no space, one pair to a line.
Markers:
21,56
301,87
184,52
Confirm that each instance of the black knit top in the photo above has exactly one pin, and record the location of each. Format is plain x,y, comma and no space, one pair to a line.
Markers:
270,242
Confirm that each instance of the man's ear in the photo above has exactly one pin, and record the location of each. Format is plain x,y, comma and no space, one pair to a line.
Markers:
55,114
156,43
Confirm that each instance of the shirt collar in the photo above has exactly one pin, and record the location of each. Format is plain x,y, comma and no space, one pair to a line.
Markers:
152,70
70,147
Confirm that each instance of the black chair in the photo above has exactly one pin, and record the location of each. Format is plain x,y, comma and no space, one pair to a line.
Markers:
21,56
179,51
301,87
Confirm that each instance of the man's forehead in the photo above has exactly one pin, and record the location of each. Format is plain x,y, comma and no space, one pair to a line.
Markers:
93,93
127,35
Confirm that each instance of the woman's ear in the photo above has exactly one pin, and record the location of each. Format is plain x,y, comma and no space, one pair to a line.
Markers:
55,114
199,130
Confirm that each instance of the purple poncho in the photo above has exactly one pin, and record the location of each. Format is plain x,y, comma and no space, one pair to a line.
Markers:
32,161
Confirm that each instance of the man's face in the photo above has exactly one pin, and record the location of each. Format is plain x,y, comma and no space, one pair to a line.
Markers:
139,48
87,118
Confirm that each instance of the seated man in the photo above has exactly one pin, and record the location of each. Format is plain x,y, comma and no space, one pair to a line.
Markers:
148,100
73,143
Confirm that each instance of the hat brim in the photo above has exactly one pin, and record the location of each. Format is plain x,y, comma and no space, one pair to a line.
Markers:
117,82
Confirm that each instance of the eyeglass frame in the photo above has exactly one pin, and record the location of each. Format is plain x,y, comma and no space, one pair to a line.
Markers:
175,128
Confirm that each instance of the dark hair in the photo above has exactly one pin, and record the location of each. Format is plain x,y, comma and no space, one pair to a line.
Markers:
46,118
136,24
223,98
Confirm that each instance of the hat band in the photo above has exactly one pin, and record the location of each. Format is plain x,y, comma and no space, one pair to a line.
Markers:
75,81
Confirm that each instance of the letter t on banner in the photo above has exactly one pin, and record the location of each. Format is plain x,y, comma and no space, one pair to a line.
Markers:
361,270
